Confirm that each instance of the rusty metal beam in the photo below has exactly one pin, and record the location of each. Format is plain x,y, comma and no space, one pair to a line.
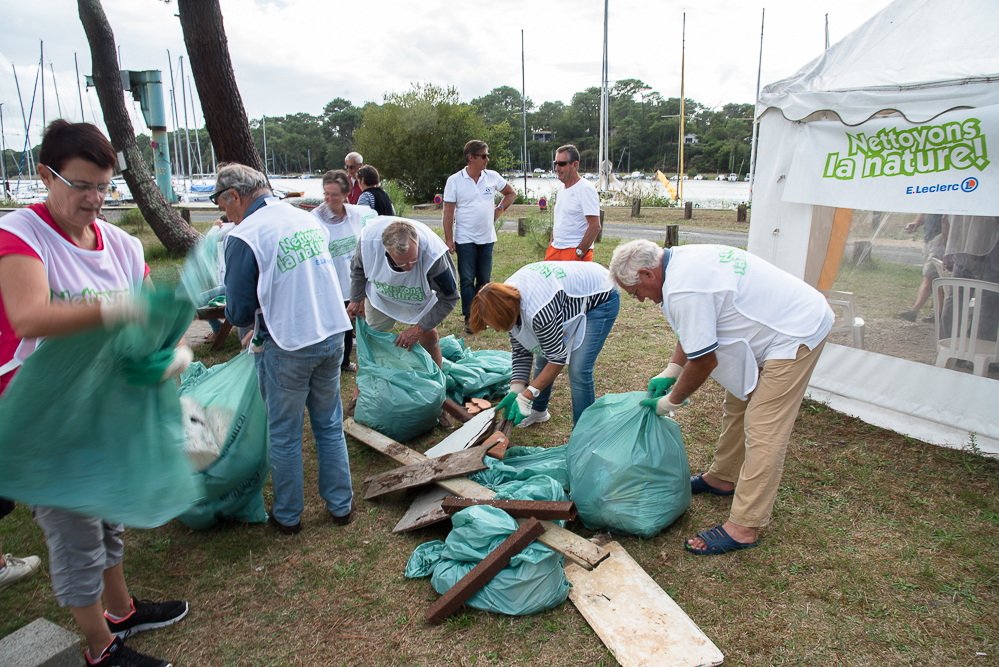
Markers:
553,510
482,573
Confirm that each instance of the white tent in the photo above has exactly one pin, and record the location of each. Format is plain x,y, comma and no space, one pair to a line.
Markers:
898,116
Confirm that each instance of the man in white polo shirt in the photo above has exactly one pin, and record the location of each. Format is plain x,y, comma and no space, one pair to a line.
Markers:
577,211
470,210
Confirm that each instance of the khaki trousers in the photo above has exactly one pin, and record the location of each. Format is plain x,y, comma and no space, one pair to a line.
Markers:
755,433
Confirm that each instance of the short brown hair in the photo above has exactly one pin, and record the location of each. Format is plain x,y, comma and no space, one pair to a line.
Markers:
473,147
496,305
338,176
64,141
571,150
368,175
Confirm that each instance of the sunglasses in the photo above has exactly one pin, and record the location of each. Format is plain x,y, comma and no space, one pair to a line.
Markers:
214,197
562,163
484,156
350,166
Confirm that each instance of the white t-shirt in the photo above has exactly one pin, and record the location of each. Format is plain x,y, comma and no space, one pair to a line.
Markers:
474,204
572,206
343,237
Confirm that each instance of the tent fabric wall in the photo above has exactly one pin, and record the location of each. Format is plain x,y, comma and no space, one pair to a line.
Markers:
918,58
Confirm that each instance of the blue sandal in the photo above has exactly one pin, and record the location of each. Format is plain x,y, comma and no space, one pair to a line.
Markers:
698,485
718,542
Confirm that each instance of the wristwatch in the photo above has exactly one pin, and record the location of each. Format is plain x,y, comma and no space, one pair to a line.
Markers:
579,253
534,391
500,207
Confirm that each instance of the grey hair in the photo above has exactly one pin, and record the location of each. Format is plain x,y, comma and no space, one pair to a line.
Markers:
398,235
354,155
244,180
632,256
338,176
571,150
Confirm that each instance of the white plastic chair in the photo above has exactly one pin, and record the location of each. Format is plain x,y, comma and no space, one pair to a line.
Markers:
962,342
850,322
941,271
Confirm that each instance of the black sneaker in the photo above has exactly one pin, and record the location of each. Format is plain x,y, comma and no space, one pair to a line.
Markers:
147,615
119,655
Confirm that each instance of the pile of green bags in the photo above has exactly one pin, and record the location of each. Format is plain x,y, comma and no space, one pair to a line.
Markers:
628,469
402,390
87,426
479,374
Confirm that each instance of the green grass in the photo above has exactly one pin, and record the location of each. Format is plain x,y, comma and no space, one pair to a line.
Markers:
882,551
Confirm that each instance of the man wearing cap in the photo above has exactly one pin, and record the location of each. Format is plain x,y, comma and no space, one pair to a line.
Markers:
755,329
280,278
577,211
470,210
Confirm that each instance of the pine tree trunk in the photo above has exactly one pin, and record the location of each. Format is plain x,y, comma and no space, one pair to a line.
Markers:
221,103
166,223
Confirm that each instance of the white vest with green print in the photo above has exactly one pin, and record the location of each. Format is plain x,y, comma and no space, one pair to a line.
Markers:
343,238
298,289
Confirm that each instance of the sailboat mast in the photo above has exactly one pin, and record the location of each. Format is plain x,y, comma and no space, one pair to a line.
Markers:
679,170
606,98
523,103
756,125
264,125
194,117
79,90
179,164
3,158
56,87
41,65
187,136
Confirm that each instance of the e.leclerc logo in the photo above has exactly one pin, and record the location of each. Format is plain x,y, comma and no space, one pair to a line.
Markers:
969,184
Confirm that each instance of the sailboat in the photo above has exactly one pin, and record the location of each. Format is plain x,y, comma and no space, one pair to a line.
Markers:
607,183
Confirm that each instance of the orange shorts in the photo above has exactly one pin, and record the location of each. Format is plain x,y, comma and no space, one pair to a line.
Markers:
566,255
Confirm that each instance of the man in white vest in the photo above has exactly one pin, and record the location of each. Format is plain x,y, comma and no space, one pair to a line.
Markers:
755,329
402,272
280,279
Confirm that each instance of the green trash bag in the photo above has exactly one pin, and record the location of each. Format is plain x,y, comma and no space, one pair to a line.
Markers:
201,266
86,426
234,482
479,374
520,463
532,582
402,391
452,349
628,469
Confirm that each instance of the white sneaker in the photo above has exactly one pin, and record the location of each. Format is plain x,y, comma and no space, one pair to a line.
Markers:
534,418
17,569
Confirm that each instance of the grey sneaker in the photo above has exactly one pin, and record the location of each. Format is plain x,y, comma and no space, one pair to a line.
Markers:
534,418
907,315
17,569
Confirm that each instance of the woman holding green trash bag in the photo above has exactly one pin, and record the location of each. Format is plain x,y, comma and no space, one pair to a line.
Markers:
559,313
62,272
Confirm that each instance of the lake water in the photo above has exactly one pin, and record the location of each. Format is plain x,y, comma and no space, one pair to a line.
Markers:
704,194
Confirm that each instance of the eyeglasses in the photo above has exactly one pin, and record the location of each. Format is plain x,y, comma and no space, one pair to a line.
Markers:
214,197
562,163
81,188
333,195
484,156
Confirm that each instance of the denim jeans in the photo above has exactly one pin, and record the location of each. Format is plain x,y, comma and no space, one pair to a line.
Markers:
475,266
348,344
599,321
290,382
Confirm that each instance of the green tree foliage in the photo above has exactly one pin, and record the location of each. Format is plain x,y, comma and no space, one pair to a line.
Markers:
416,138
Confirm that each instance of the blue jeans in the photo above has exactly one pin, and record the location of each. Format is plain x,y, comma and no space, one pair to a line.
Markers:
599,321
207,296
475,266
290,382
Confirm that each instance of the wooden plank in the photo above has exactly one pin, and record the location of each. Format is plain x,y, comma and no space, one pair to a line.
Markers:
553,510
482,574
417,474
463,437
583,552
637,621
425,511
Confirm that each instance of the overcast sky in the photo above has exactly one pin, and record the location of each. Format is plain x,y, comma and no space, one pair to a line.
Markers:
296,55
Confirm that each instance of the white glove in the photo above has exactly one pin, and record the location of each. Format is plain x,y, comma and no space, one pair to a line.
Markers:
123,311
664,405
182,358
672,371
518,387
524,404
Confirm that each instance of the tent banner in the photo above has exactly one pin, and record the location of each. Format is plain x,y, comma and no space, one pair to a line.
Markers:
890,164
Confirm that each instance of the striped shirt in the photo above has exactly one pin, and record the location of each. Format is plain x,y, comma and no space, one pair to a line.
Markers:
547,327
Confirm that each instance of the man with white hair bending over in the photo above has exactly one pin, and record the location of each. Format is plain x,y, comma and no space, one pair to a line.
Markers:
402,272
755,329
